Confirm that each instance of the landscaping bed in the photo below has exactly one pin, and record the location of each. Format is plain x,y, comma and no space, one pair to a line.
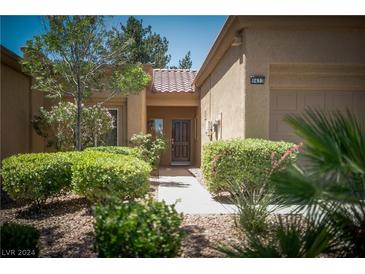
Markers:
65,224
205,231
66,228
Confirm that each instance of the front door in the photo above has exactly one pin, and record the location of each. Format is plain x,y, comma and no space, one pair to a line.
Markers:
180,142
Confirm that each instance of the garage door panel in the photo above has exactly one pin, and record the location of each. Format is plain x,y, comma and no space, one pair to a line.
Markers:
310,99
359,101
278,125
338,101
285,101
295,87
324,100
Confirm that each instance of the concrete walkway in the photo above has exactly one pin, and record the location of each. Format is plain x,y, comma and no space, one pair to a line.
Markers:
177,185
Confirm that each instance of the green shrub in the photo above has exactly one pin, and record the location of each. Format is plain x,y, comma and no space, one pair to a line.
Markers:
100,176
249,161
18,241
148,229
37,176
150,148
116,150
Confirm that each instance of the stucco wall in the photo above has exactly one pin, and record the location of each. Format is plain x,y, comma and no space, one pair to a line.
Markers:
223,95
15,112
265,47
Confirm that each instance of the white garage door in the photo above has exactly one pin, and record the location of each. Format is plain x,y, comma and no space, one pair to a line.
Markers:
298,87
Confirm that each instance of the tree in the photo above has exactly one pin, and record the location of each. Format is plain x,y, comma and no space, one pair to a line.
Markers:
145,46
77,56
186,62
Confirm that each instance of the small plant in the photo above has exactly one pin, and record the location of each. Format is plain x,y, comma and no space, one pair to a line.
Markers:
18,241
288,237
150,148
132,230
37,176
101,176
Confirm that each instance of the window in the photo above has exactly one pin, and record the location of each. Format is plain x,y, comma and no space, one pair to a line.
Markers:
112,137
155,127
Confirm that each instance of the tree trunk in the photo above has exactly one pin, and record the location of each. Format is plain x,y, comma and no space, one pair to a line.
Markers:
78,116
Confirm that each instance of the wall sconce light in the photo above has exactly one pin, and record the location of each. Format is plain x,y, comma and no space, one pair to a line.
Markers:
237,40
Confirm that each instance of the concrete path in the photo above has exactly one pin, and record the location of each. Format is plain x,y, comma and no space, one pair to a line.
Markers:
177,185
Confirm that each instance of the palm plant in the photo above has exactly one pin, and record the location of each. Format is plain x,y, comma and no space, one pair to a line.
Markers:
331,179
327,189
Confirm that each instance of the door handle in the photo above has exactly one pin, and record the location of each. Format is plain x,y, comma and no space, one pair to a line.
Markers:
172,141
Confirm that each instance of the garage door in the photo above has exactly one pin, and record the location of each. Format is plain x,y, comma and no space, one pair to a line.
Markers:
293,88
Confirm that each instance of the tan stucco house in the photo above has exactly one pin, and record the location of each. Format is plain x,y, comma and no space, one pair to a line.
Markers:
259,69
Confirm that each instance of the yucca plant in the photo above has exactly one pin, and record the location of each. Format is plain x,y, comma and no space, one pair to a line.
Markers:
327,188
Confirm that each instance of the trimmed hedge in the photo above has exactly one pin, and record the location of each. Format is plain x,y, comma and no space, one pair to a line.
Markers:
131,230
116,150
18,241
100,176
240,160
37,176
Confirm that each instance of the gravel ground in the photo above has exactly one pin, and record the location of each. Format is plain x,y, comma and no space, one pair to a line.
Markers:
66,227
198,174
204,232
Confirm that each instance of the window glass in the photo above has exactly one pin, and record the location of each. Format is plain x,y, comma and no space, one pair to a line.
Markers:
155,127
112,136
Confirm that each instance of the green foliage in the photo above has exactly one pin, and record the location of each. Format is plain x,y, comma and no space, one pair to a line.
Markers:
101,176
36,176
132,80
248,161
143,45
116,150
288,237
149,148
332,181
326,188
57,125
146,229
252,207
74,58
186,62
20,241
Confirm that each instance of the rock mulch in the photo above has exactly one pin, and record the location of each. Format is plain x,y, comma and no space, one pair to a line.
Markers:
198,174
66,227
205,232
65,224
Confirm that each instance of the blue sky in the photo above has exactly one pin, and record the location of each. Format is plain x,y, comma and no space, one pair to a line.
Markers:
194,33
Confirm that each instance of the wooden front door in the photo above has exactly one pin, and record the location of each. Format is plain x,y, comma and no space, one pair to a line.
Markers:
180,142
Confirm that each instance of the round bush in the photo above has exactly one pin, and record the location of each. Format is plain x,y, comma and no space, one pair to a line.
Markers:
248,161
100,176
36,176
130,230
19,241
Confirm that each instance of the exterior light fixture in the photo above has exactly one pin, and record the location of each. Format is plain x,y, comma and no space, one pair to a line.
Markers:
237,40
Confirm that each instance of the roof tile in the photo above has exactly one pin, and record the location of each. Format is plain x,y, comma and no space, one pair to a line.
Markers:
173,80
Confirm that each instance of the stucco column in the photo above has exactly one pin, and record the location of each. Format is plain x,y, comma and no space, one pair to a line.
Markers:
137,113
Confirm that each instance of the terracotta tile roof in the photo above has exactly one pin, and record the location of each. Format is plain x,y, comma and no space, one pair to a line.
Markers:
173,80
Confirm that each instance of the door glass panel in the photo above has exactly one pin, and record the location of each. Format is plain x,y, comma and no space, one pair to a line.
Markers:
155,127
